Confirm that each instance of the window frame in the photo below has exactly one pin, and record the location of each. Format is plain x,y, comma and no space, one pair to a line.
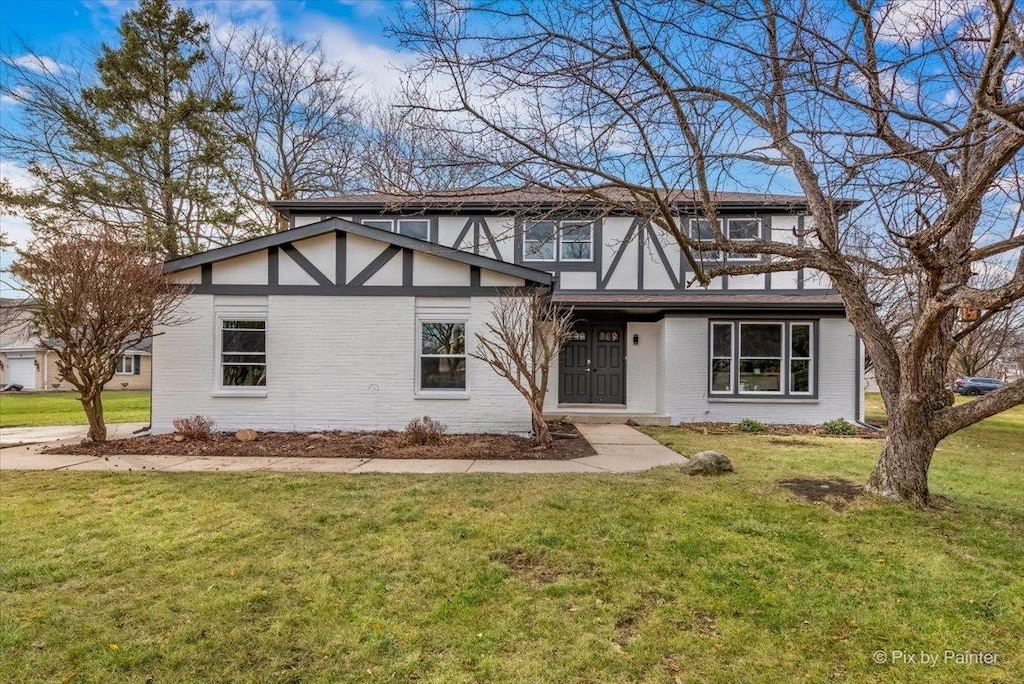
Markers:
218,362
394,224
369,221
119,364
440,392
786,392
728,234
812,346
783,363
711,354
397,223
561,226
714,254
556,241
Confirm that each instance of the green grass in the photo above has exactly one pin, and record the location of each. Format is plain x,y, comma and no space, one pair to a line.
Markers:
36,409
655,577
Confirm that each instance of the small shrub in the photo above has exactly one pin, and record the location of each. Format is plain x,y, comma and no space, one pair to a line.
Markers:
753,426
425,430
839,426
194,427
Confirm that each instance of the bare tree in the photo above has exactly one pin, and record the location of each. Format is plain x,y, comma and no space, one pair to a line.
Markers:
91,300
520,342
408,150
629,101
298,120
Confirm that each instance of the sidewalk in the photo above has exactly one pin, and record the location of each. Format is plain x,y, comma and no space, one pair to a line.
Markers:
620,449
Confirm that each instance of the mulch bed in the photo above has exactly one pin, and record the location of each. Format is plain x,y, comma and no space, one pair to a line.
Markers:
836,493
784,430
342,445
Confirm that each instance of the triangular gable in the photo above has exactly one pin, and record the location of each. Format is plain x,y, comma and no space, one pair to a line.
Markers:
340,257
334,224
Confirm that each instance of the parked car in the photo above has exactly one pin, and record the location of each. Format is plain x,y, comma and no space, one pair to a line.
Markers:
974,387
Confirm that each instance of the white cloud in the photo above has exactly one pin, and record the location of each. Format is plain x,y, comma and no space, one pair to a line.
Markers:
15,97
37,63
16,228
377,67
911,21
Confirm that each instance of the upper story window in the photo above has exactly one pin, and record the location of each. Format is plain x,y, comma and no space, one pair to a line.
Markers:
558,241
413,227
735,229
762,358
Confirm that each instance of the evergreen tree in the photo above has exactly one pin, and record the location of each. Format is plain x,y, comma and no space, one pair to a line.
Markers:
141,152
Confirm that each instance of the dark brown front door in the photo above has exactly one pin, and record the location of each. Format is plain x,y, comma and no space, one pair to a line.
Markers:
592,365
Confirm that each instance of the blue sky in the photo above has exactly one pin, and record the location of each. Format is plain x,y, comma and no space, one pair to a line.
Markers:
67,31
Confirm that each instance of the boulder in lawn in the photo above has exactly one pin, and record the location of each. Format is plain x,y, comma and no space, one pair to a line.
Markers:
707,463
246,435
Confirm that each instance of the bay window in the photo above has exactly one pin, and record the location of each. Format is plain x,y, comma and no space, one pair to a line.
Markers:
762,358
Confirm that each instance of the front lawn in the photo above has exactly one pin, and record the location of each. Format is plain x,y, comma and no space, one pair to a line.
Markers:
656,577
36,409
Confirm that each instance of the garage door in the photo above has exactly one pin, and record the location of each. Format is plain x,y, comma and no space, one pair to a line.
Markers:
21,372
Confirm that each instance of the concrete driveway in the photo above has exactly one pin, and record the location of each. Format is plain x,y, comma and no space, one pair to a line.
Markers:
620,449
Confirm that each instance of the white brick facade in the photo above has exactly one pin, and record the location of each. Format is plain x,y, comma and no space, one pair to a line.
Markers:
334,363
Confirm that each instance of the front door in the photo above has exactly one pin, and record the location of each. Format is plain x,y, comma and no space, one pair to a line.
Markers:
592,366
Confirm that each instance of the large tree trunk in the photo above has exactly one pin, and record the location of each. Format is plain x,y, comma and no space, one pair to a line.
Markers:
93,405
901,473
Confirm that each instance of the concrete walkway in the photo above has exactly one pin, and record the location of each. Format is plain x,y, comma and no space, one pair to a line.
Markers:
620,449
60,433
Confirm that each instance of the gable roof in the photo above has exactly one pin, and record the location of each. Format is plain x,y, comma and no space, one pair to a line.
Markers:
334,224
512,198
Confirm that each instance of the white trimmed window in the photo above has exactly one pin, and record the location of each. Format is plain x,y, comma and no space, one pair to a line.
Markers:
242,353
441,364
743,230
721,357
125,365
558,241
418,228
702,230
576,242
762,358
801,348
539,241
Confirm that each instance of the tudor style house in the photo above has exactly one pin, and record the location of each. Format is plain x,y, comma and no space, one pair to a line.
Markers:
362,315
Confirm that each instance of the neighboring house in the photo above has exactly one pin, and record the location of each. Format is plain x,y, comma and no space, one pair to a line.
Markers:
25,361
361,316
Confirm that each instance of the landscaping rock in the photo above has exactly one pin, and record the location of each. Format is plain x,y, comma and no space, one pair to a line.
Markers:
179,438
316,435
707,463
246,435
